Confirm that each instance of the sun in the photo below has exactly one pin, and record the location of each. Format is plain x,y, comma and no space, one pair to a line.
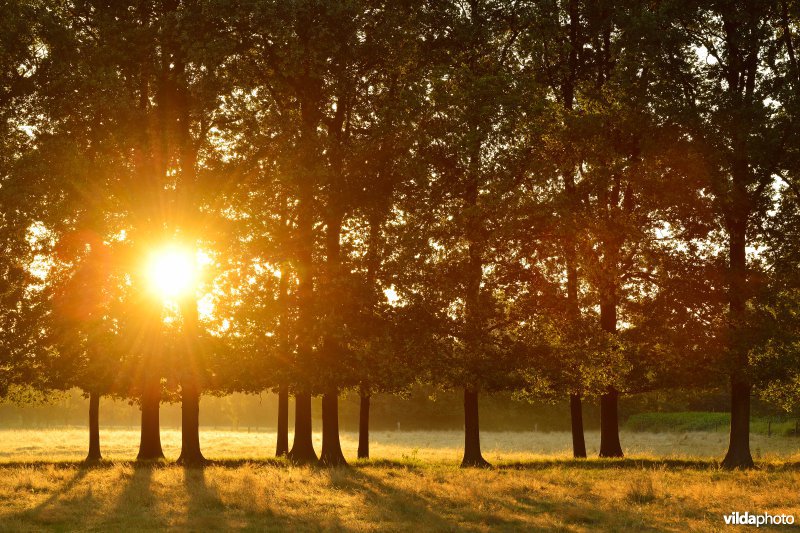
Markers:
172,272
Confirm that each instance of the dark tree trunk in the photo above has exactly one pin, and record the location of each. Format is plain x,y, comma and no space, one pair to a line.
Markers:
94,428
303,447
190,391
150,442
738,455
576,417
190,425
472,436
568,95
282,447
609,412
331,446
363,426
331,351
609,424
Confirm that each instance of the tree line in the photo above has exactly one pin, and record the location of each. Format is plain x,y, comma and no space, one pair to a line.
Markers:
558,198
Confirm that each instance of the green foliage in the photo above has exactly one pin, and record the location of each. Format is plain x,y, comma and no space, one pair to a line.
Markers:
678,422
706,421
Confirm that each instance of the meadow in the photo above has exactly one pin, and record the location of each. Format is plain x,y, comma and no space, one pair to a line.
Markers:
668,482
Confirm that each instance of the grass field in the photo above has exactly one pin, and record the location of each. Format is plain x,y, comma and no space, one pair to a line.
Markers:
669,482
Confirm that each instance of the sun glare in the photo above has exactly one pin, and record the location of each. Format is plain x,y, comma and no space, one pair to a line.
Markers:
172,272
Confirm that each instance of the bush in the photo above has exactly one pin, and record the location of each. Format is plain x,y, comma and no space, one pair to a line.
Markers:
678,422
705,421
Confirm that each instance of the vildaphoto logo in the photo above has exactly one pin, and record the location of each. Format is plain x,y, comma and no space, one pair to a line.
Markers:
763,519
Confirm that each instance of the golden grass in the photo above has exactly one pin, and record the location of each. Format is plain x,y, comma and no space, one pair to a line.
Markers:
424,446
413,485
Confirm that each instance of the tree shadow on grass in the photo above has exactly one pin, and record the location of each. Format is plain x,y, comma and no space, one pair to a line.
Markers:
136,503
636,464
610,464
554,512
391,506
44,513
236,463
58,465
205,510
497,511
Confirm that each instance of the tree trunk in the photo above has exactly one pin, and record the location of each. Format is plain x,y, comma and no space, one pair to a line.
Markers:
576,417
282,447
609,412
94,428
568,95
190,390
303,447
738,455
609,424
190,425
331,351
363,426
472,436
331,446
150,441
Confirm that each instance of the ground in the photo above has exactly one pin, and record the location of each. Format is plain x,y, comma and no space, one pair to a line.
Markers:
669,482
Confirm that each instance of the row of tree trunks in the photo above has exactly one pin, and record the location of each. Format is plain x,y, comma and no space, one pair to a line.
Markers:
283,437
303,450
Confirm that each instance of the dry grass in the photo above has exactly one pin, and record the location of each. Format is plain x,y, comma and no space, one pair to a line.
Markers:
419,446
415,486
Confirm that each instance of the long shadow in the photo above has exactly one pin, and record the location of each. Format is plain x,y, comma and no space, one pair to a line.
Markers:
572,512
37,514
205,510
389,505
503,512
236,463
59,465
632,464
608,464
135,503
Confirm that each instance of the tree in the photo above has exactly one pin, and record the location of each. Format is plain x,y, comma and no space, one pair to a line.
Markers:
21,353
475,143
731,73
83,330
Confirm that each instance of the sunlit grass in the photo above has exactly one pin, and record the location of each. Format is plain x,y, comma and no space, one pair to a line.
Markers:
422,446
670,482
